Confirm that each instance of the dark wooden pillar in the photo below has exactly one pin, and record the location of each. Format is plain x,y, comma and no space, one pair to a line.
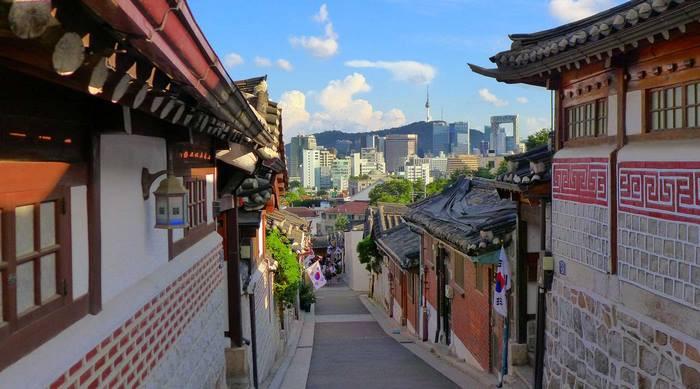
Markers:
94,227
233,277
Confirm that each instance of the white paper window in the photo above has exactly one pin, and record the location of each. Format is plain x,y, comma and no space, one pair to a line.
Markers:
48,277
24,230
47,212
25,286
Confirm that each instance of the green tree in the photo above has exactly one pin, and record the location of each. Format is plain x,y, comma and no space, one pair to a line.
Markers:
288,277
370,257
459,173
394,191
539,138
294,184
437,186
483,173
342,223
502,168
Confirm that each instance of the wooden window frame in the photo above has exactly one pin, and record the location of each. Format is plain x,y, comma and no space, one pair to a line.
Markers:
592,127
22,332
204,227
649,110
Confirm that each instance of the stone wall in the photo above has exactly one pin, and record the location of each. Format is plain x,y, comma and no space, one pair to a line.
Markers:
580,232
660,256
593,341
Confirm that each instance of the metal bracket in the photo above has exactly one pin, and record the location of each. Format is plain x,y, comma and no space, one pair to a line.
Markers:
147,180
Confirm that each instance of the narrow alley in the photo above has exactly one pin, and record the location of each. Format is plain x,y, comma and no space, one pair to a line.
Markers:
351,350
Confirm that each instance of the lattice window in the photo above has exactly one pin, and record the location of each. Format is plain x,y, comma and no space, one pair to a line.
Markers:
667,108
587,120
693,104
197,202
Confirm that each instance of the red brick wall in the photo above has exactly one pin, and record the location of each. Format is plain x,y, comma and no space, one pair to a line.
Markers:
127,356
470,313
430,275
412,302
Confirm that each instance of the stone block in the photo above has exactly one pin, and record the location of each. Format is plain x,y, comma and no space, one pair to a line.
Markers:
654,264
627,376
668,286
689,376
629,347
615,346
695,275
669,248
673,269
601,362
684,272
236,364
693,234
648,360
667,369
672,230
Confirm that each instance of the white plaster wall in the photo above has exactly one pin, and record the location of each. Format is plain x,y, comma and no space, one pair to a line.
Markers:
432,322
531,216
79,240
462,352
633,113
670,150
41,366
210,197
357,275
131,247
397,311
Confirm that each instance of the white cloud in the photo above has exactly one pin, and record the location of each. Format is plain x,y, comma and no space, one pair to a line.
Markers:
522,100
490,98
233,59
322,15
340,109
319,46
262,62
534,124
411,71
284,65
294,114
572,10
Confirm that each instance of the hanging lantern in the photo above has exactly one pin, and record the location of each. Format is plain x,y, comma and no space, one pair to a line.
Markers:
171,204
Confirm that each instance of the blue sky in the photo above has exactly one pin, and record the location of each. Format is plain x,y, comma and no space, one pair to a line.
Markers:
364,64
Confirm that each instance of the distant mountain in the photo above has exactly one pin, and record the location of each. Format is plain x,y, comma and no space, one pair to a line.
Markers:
424,131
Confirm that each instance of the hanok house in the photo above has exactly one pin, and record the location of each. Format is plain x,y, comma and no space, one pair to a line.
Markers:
400,248
625,303
252,182
462,230
527,182
379,219
110,266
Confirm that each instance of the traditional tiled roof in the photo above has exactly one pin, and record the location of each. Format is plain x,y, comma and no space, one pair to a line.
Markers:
382,217
350,208
302,212
469,215
603,35
292,226
529,168
402,244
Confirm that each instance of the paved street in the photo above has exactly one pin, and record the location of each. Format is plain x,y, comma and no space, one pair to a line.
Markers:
350,349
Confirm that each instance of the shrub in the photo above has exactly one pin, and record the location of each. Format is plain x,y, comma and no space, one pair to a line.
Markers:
288,276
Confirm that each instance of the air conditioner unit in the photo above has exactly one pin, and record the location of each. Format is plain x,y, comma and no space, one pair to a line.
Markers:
449,292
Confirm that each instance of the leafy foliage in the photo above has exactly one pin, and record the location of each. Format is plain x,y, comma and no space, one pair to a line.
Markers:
539,138
437,186
502,168
369,255
342,223
483,173
394,191
288,276
294,184
306,296
295,195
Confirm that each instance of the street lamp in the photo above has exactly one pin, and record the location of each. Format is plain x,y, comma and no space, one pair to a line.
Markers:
171,199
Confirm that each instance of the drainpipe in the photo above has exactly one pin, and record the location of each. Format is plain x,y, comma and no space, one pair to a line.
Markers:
233,278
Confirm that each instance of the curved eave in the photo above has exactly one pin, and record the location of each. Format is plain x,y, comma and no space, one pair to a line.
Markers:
508,77
176,44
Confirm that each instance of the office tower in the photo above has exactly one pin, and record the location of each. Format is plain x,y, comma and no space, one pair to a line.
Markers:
459,138
296,153
340,173
441,137
311,169
476,137
343,147
462,162
397,148
416,169
326,157
379,145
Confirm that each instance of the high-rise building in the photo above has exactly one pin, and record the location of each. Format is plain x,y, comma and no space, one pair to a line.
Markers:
296,153
343,147
438,166
441,137
462,162
499,142
325,178
397,148
326,157
311,169
340,173
459,138
379,145
428,118
416,169
476,140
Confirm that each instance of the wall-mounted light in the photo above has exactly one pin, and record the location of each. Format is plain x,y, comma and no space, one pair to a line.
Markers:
171,199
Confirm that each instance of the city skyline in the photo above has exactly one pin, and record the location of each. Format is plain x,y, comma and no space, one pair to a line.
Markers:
331,71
